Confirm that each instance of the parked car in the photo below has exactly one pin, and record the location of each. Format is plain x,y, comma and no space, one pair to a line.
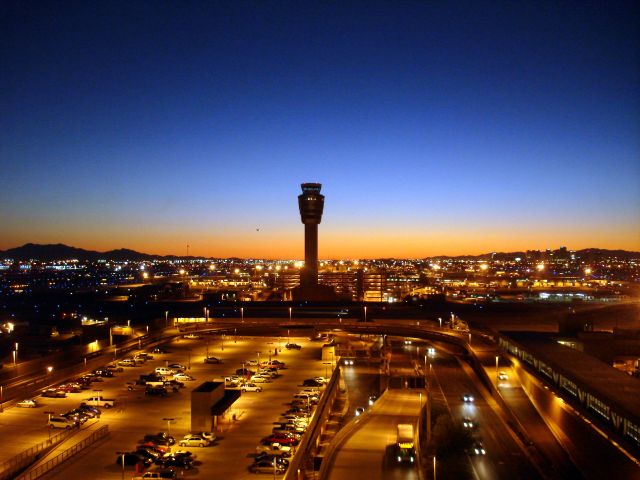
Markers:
27,403
61,422
148,453
212,360
160,350
159,438
127,362
292,346
53,393
282,438
259,379
250,387
183,377
266,466
267,456
132,458
160,474
311,382
156,391
178,461
208,435
162,449
76,415
114,367
244,372
193,440
177,366
274,449
104,372
69,388
192,336
89,411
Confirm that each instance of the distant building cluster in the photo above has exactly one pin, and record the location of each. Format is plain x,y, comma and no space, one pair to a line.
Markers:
533,275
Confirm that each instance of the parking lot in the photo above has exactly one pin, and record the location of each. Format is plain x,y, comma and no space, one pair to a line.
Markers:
248,420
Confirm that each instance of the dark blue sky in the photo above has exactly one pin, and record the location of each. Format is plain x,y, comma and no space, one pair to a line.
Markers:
435,127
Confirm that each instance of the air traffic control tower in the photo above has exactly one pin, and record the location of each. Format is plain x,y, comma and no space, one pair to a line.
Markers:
311,204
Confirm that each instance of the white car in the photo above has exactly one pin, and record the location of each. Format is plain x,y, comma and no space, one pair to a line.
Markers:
183,377
192,336
259,379
27,403
194,440
250,387
208,435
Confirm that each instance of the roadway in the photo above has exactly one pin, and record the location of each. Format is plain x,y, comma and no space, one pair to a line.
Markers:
369,451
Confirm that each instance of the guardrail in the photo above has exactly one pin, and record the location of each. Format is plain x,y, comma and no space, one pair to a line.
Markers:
49,465
9,468
309,443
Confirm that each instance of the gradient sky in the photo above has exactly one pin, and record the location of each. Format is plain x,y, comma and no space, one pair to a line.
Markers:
435,127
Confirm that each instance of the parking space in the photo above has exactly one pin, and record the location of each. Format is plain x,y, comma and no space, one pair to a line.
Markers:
135,414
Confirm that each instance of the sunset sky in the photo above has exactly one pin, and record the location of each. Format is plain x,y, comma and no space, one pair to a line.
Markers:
436,128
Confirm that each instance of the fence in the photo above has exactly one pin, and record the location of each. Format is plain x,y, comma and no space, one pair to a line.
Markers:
9,468
49,465
311,438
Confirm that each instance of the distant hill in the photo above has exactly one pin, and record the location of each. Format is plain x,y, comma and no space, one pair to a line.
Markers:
59,251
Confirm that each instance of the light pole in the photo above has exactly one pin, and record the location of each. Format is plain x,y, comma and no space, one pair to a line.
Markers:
289,314
365,314
440,320
434,467
166,318
242,314
497,375
15,356
122,454
1,397
168,420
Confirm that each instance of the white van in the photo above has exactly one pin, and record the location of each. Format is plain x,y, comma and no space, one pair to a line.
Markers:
61,422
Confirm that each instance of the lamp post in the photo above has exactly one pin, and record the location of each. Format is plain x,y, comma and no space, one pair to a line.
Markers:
434,467
365,314
166,318
1,397
440,320
497,374
168,420
289,314
122,456
15,356
242,314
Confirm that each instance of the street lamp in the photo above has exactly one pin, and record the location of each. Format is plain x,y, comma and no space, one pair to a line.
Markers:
122,456
168,420
365,314
289,314
242,314
49,369
497,357
166,318
440,320
15,355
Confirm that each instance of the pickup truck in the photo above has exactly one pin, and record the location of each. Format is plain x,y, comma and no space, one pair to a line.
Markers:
274,449
99,401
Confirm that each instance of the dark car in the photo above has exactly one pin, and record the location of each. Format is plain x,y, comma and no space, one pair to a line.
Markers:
311,382
159,438
132,458
281,438
160,350
178,461
156,391
212,360
266,466
77,416
89,410
264,456
177,366
292,346
244,371
162,449
148,452
104,372
53,393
